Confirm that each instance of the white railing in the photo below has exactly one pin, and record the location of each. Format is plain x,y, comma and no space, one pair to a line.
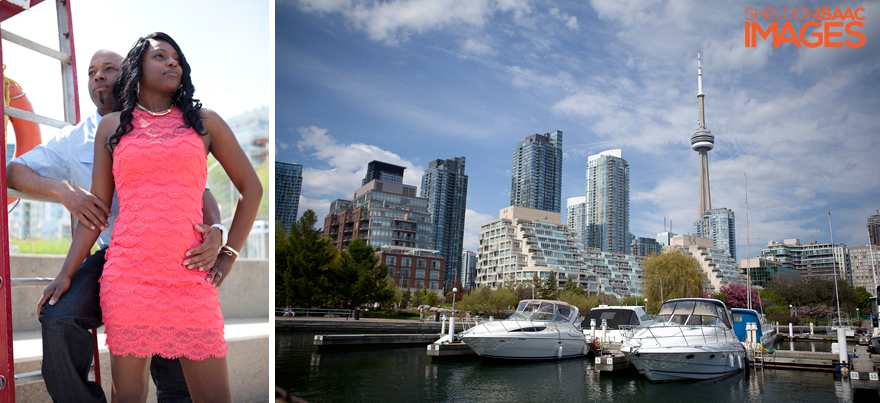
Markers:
687,335
315,312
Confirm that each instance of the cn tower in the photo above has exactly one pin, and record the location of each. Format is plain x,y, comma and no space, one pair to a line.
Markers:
702,141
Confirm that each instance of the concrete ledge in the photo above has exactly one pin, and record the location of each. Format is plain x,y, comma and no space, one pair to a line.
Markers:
348,340
244,295
247,359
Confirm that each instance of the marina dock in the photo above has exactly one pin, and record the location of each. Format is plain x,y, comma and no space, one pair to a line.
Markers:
806,360
449,350
325,341
864,373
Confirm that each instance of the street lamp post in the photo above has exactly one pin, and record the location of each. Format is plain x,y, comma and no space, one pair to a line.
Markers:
454,290
646,305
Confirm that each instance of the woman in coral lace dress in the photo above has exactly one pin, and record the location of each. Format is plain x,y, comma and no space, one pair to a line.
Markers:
153,153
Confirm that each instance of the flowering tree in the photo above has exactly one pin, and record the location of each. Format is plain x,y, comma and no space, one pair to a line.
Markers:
737,296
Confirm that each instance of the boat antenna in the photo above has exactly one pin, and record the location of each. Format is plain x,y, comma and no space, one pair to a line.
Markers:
834,262
748,252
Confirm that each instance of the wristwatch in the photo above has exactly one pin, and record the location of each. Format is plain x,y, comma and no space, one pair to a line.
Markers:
224,234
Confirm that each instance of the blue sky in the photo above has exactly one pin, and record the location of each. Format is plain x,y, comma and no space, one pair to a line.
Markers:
408,81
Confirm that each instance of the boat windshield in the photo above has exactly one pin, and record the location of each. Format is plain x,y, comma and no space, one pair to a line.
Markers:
690,313
542,311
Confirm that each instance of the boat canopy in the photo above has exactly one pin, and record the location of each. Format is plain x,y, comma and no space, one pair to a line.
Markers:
614,317
693,312
742,316
541,310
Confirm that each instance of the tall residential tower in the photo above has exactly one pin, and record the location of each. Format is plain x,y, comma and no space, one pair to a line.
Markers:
607,195
288,187
536,176
444,184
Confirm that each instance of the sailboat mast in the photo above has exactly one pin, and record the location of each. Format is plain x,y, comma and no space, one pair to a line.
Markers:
873,268
748,252
834,262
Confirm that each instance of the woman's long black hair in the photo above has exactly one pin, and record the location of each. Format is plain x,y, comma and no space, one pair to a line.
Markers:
125,89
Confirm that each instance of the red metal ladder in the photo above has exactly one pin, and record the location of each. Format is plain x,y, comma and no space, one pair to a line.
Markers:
67,58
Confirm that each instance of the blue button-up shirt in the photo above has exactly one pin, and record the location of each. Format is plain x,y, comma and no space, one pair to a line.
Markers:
70,156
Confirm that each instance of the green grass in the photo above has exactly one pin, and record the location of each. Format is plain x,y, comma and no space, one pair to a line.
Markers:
58,246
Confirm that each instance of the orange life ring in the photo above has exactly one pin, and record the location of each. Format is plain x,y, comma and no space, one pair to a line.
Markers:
27,134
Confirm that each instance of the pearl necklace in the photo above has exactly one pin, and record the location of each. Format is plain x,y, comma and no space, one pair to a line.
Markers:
163,113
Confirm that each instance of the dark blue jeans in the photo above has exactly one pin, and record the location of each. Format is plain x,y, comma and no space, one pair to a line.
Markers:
68,344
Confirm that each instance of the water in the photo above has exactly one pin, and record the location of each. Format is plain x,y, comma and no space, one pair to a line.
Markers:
409,375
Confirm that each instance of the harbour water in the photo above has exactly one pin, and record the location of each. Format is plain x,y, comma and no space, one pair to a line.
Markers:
409,375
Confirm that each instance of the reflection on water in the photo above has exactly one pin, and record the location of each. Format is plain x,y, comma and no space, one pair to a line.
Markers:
409,375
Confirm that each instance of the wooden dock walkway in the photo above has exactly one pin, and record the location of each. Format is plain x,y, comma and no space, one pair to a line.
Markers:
864,373
816,361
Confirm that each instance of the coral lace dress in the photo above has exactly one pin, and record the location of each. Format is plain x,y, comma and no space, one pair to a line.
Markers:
152,304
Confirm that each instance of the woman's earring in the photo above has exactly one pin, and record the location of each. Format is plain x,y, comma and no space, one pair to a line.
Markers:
138,89
179,93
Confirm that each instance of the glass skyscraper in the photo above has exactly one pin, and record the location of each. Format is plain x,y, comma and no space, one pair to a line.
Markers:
718,225
576,217
288,187
444,184
384,172
607,203
536,176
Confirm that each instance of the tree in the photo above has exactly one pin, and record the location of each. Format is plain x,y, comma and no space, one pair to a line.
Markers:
302,263
359,277
672,274
485,299
736,296
571,285
537,286
578,299
550,290
863,300
633,301
457,295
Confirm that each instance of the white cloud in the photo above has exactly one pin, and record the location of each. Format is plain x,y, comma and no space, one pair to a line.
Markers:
472,222
526,78
474,47
321,207
395,20
325,6
347,164
281,145
518,7
571,22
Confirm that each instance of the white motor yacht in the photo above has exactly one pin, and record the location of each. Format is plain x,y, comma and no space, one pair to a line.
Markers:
618,321
538,330
692,338
765,332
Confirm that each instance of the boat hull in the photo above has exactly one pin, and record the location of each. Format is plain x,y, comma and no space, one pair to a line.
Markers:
532,347
685,364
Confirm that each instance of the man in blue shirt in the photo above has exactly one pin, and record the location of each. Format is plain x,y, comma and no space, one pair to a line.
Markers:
66,320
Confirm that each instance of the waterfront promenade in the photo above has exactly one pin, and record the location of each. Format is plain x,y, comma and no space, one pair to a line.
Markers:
363,325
